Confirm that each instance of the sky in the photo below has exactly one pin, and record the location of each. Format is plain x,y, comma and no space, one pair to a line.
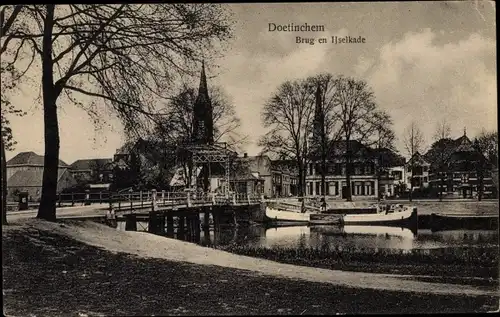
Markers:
425,61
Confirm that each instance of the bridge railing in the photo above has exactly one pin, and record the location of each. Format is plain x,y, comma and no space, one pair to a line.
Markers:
178,199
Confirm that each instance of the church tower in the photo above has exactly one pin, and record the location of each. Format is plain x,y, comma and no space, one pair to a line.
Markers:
203,126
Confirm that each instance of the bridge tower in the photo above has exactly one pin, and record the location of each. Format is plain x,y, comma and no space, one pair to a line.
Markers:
202,150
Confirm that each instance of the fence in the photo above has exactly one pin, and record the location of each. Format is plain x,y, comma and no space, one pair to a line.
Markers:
132,201
144,199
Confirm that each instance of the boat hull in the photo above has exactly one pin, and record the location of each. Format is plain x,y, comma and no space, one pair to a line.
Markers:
325,219
406,219
351,211
472,222
282,216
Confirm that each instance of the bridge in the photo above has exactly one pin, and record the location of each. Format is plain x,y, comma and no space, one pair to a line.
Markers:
153,201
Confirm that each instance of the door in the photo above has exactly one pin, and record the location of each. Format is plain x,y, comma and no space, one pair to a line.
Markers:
344,192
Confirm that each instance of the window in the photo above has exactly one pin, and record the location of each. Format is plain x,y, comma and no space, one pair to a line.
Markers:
397,175
358,189
318,168
330,169
338,169
357,170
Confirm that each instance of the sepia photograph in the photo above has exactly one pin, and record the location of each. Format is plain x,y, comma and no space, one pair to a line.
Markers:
322,158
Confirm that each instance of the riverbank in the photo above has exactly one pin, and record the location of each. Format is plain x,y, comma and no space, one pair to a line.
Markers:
466,266
68,268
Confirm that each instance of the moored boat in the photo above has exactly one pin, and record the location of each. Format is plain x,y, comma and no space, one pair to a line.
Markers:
276,215
461,221
402,216
325,219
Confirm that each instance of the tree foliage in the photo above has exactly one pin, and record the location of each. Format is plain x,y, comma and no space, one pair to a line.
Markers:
488,146
177,124
288,115
414,143
124,55
345,110
357,112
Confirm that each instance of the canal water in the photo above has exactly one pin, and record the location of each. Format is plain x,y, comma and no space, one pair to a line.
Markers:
353,237
349,237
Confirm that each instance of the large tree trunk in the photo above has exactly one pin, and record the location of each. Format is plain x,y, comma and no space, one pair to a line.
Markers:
47,209
4,183
301,183
323,176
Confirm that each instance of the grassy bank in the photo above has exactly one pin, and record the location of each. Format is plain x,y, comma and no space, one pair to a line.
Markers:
459,265
50,274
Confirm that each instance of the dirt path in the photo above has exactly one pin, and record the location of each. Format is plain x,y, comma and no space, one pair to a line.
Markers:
148,245
91,210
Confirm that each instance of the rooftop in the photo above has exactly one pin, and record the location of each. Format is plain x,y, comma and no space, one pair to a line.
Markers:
30,158
89,164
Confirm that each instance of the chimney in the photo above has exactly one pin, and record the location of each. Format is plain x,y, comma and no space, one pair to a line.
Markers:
245,154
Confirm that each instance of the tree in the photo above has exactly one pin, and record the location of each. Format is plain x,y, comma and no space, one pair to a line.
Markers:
486,145
355,108
438,156
443,130
413,142
384,140
8,82
325,130
99,168
439,153
288,115
177,126
8,144
123,55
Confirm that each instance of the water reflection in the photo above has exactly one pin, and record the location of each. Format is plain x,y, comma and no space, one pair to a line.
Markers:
359,237
378,237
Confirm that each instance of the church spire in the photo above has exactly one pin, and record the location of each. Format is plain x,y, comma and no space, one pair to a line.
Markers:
203,89
203,117
465,131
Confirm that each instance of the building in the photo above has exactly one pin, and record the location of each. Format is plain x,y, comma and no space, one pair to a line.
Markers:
391,173
456,169
284,178
25,174
144,164
417,172
364,183
244,180
96,171
260,166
